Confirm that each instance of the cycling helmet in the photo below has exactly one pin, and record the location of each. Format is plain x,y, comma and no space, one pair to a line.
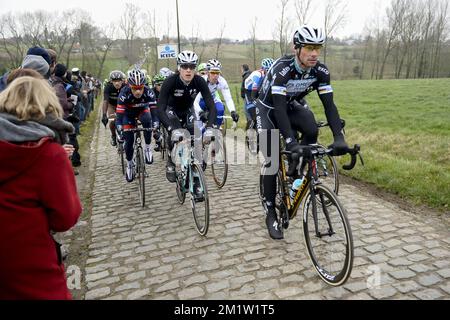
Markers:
116,75
136,77
267,63
158,79
202,67
214,65
308,35
166,72
187,57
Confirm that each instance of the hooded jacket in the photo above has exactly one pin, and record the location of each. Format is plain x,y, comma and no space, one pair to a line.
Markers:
38,194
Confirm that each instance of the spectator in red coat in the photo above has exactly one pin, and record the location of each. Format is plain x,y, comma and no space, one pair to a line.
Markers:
38,193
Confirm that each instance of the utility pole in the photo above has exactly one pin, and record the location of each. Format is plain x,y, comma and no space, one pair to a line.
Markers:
178,29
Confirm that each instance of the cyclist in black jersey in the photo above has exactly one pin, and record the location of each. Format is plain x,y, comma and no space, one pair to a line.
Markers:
280,105
157,81
110,96
175,103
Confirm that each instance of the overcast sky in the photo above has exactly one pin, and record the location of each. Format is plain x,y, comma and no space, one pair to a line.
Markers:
207,15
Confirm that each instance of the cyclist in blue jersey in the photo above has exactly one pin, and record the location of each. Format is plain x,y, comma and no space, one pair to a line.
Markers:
251,86
135,101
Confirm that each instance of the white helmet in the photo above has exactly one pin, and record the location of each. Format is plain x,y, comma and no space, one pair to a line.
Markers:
136,77
187,57
214,65
166,72
308,35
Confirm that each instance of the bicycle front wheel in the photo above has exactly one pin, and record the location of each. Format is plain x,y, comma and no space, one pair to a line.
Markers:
327,172
121,152
199,199
328,236
219,165
140,171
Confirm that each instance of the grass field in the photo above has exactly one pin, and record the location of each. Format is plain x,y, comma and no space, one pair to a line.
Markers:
403,127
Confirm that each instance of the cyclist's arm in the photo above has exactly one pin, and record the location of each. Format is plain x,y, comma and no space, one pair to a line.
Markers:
227,96
325,92
257,77
209,101
163,99
121,107
197,108
105,100
280,113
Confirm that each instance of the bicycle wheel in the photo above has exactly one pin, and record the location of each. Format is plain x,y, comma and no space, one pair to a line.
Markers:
328,236
121,152
181,194
327,172
219,163
224,127
163,143
140,172
199,201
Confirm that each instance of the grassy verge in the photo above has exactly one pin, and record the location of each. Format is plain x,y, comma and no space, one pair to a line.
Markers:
403,127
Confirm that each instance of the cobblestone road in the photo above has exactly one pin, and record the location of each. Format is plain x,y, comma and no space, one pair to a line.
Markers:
156,253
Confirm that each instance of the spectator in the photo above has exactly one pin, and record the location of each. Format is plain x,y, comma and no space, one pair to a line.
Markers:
38,193
245,73
31,61
17,73
53,59
36,63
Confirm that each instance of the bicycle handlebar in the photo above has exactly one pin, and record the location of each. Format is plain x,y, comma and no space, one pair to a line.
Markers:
137,129
317,150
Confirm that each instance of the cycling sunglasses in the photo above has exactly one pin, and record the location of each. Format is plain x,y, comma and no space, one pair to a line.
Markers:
312,47
214,72
137,87
188,66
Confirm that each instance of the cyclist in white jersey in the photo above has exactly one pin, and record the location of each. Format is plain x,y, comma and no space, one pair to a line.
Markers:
215,83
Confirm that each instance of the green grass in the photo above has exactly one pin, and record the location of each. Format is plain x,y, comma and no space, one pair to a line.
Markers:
403,127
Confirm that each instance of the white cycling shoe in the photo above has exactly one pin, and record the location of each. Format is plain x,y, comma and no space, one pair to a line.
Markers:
148,154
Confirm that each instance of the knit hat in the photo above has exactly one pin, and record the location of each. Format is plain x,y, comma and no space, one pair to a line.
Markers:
60,70
36,63
38,51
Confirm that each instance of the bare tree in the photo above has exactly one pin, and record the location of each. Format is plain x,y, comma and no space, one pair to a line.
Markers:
153,38
395,16
253,39
335,18
220,39
101,44
129,24
303,8
11,40
282,27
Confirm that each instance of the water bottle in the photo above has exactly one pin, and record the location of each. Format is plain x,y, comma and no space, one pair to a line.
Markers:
295,186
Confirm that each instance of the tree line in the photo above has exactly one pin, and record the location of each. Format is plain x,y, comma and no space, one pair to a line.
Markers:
410,36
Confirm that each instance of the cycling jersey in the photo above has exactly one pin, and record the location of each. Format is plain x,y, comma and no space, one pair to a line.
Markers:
221,85
252,85
179,96
111,94
128,102
286,82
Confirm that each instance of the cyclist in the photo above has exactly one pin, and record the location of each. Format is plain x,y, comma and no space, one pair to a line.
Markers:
279,106
202,69
215,83
175,103
110,96
157,82
134,102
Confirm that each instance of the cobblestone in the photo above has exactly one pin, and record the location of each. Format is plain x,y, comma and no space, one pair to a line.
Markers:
155,252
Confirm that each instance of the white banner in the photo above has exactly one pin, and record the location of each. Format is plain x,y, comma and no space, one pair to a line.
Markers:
167,51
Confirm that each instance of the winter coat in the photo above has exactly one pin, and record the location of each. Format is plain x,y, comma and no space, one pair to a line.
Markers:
38,194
